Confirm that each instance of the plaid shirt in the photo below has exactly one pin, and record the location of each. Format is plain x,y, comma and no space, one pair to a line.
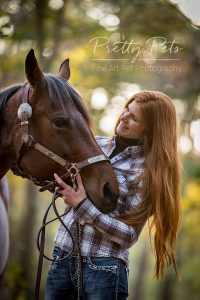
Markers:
103,235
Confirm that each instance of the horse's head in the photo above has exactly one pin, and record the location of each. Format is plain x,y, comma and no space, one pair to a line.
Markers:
60,122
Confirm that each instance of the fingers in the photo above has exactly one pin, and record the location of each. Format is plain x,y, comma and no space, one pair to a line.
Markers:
70,196
66,187
79,180
60,181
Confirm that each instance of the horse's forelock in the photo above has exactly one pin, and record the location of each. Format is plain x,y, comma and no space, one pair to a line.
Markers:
61,91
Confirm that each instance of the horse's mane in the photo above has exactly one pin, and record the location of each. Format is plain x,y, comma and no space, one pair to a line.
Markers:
5,94
59,90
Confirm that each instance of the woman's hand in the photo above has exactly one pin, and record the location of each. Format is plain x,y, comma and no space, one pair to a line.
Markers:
70,196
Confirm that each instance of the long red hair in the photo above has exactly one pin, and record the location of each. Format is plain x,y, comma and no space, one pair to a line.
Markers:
160,203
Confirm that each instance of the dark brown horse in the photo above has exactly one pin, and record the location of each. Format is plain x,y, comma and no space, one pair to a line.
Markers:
60,123
4,240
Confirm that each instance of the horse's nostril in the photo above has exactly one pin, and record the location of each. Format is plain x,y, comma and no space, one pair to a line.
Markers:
108,194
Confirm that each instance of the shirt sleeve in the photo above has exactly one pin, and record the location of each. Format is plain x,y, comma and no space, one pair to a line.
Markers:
113,229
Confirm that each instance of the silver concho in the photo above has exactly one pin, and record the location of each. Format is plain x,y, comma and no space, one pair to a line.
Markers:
97,158
24,107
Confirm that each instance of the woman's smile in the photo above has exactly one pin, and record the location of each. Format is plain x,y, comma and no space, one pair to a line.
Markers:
122,125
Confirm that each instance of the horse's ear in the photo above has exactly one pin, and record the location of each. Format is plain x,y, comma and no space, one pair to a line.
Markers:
33,73
64,71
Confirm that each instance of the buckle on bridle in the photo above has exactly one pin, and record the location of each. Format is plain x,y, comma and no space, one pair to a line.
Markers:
73,171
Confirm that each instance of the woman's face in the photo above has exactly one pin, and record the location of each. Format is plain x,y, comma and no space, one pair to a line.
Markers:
131,125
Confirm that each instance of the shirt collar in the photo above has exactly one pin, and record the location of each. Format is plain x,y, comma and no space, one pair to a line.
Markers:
133,151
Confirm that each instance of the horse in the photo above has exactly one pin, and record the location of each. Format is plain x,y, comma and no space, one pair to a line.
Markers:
45,128
4,226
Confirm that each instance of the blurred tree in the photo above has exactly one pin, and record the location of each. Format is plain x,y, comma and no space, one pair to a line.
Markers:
141,271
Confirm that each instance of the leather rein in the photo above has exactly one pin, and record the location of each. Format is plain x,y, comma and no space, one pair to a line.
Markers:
72,169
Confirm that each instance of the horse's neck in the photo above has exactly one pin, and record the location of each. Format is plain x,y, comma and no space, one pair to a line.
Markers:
7,148
4,169
6,162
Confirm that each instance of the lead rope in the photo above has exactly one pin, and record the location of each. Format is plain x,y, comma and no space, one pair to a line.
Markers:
78,243
41,243
79,261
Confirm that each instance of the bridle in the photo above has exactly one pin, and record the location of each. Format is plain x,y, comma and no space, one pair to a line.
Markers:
28,142
72,169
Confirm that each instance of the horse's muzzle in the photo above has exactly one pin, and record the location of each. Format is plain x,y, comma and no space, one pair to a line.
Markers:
110,198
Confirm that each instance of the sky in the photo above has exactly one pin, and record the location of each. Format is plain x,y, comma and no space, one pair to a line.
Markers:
190,8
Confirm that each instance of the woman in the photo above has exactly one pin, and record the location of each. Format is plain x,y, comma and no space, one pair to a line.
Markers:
144,156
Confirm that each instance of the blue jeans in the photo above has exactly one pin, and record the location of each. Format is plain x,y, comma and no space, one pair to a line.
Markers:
104,278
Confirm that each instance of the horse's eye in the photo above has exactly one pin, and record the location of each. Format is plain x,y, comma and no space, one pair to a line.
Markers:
62,122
